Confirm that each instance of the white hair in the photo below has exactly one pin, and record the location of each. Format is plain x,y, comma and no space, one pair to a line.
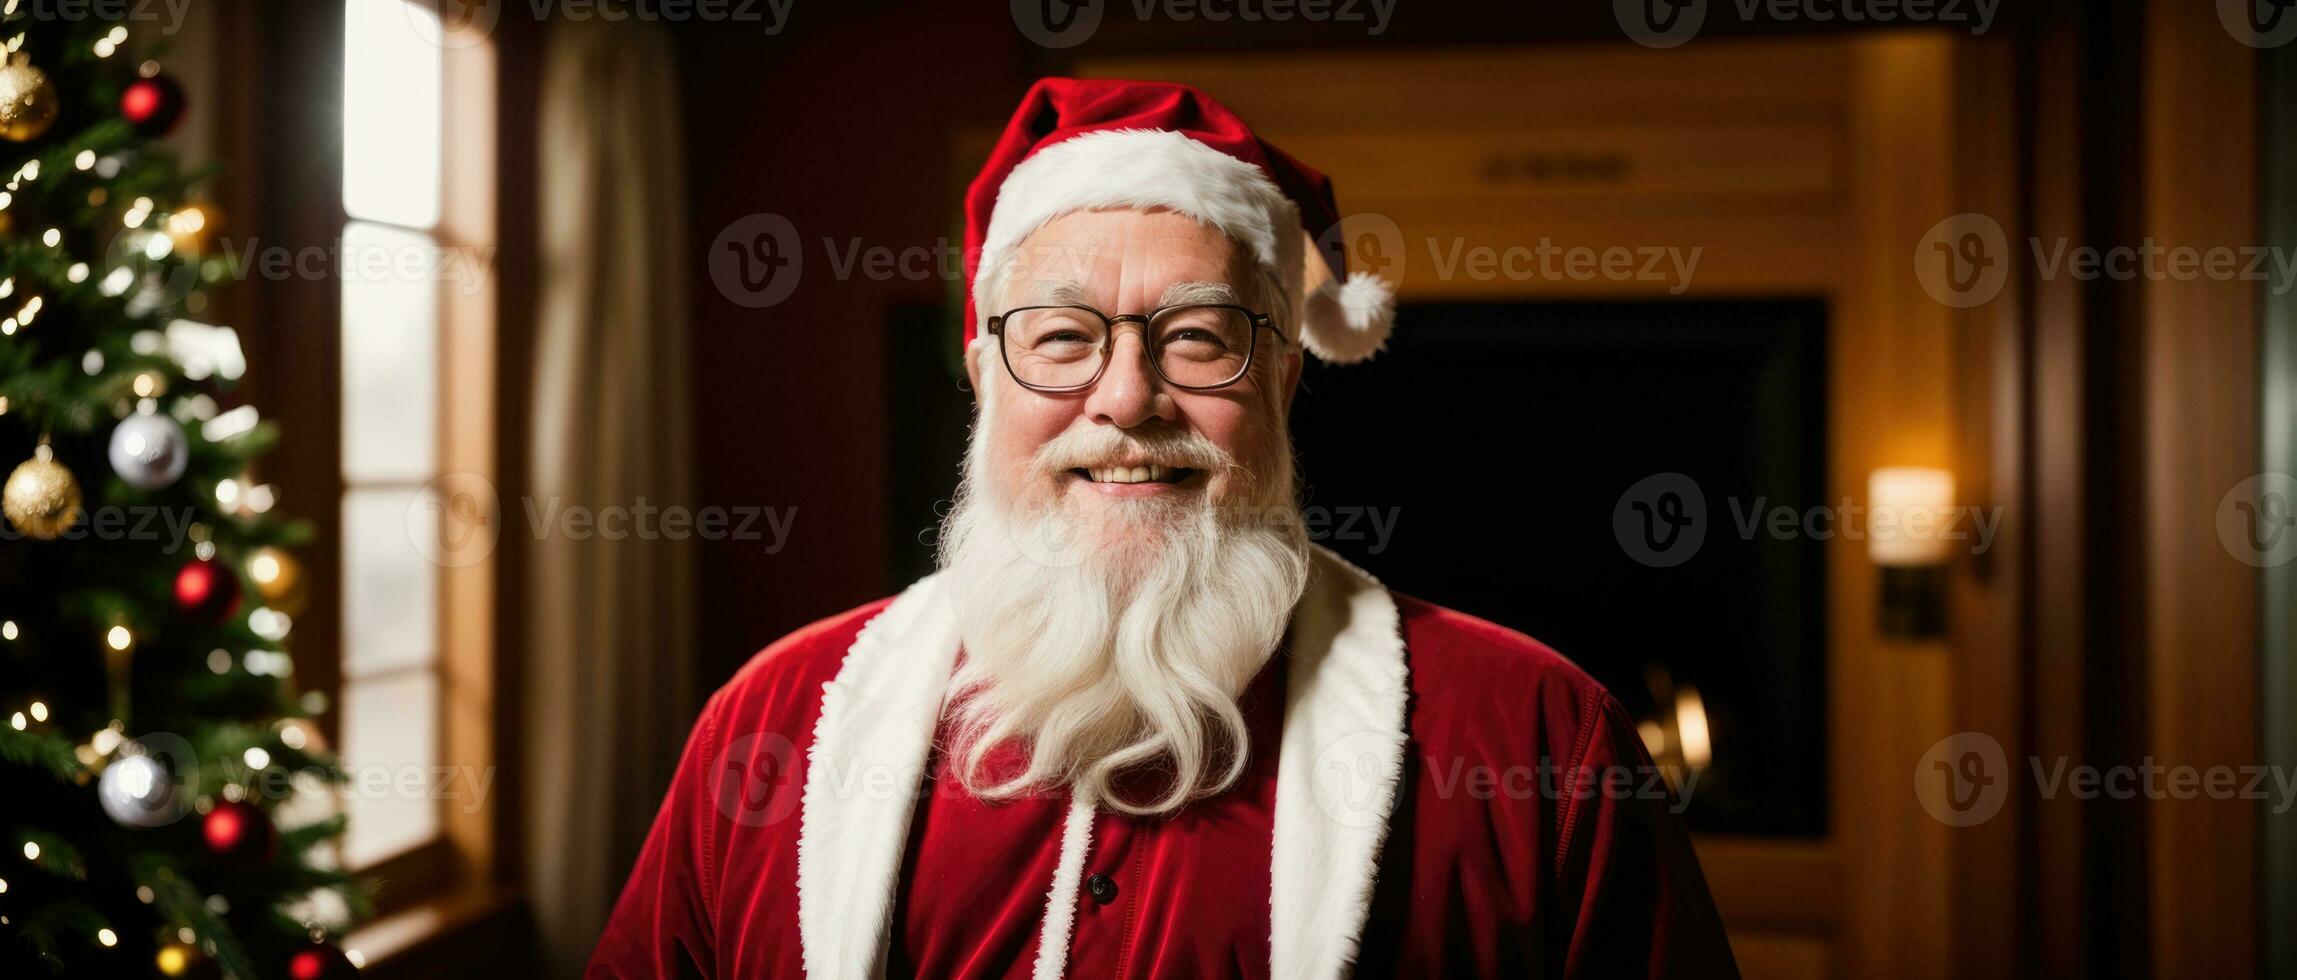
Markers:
1120,645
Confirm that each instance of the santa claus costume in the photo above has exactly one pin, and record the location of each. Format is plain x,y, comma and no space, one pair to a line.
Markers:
1421,793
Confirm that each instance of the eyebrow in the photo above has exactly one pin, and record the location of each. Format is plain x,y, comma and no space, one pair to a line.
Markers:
1058,292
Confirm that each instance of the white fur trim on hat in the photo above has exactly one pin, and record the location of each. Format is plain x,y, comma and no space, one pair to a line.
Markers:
1150,168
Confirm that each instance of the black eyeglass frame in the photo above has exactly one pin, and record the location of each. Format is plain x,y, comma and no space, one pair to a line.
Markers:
1149,345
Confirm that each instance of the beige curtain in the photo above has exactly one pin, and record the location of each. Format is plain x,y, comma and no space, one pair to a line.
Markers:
608,690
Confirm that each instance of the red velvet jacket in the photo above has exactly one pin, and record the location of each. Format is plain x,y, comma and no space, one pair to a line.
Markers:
1430,794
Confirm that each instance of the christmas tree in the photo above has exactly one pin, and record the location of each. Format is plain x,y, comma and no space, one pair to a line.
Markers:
165,803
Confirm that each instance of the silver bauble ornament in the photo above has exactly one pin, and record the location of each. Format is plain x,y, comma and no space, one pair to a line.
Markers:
136,790
149,451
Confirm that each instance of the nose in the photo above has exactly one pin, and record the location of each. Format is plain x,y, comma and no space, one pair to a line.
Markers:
1129,392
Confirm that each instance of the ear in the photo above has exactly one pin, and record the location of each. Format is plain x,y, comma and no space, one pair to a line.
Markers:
973,370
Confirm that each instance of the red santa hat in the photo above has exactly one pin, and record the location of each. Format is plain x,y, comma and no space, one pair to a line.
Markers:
1084,144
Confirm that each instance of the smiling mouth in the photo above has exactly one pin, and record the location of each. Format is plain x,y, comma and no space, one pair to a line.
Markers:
1134,474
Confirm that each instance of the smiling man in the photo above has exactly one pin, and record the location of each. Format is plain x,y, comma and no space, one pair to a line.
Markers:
1137,725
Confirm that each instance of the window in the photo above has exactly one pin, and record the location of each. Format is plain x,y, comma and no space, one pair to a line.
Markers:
408,320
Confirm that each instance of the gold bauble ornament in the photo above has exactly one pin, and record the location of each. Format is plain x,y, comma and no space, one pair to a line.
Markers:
41,498
278,579
27,102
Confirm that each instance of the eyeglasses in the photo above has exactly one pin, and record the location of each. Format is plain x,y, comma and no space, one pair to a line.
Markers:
1196,346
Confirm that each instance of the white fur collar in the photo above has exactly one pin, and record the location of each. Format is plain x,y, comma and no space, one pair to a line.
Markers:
1342,753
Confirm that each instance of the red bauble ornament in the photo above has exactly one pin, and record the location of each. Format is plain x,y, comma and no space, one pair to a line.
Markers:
320,962
207,591
239,831
152,105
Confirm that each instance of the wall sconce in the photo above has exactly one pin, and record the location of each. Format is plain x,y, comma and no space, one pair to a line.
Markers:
1909,511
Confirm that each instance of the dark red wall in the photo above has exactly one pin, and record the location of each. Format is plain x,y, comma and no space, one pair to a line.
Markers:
843,124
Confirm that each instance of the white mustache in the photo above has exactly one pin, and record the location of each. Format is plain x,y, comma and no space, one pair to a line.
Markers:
1101,446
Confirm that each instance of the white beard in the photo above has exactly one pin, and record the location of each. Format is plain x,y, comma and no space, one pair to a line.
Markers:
1120,645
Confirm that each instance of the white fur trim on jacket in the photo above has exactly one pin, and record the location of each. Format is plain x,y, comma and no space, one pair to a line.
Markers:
1061,901
1342,754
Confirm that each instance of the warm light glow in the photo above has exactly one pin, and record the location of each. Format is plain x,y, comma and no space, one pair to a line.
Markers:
226,491
16,721
107,937
51,237
186,222
257,758
120,638
263,568
172,961
1909,511
39,711
1691,727
31,851
1654,737
8,630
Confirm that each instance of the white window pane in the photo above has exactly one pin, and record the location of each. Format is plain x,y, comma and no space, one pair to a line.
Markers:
390,591
390,749
390,355
391,108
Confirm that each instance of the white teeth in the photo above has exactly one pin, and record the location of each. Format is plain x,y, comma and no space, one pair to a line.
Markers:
1131,474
